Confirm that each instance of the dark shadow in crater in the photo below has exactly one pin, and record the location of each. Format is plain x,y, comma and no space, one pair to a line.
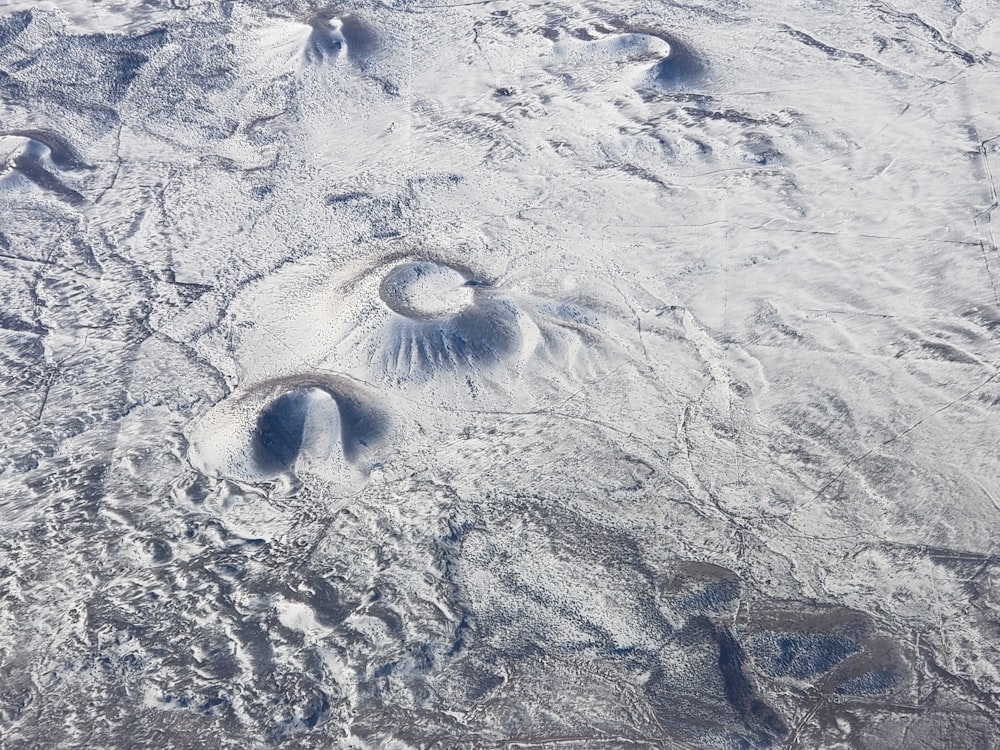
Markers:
362,41
326,42
47,181
280,428
680,68
36,173
280,431
37,153
361,426
333,37
60,151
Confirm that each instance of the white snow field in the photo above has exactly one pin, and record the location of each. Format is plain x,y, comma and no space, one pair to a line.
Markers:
413,374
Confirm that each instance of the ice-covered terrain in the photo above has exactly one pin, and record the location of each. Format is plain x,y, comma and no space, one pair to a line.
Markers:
499,375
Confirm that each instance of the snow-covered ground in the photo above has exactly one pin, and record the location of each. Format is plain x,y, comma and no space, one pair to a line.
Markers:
494,375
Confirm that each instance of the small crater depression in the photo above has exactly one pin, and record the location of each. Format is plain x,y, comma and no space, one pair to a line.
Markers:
278,424
680,68
306,421
326,41
159,551
48,144
422,314
282,426
332,37
423,290
663,62
40,157
443,318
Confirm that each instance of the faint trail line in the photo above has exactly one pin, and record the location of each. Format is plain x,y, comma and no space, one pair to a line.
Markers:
985,217
664,467
989,273
552,413
850,312
97,15
909,429
588,385
803,720
454,5
989,172
861,235
49,382
576,740
6,399
993,500
638,320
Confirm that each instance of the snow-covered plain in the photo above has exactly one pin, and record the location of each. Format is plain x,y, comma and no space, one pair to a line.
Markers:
495,374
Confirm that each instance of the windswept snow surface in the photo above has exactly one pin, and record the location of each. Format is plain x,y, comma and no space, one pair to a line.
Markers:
499,375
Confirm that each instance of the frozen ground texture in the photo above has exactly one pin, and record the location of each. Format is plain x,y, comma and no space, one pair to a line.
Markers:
581,375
